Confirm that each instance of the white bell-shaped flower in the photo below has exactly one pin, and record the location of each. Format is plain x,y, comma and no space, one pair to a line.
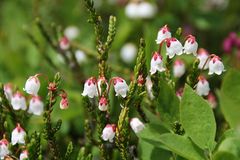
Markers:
23,155
90,88
36,106
102,82
131,10
216,66
108,132
8,91
156,64
146,10
18,135
103,104
163,34
120,86
80,56
64,43
190,45
18,101
203,58
173,47
71,32
4,151
149,86
32,85
136,125
202,86
128,52
178,68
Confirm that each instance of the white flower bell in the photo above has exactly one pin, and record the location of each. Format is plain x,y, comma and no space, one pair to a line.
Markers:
90,88
128,52
18,135
36,106
173,47
202,86
163,34
64,43
136,125
203,58
71,32
103,104
4,151
32,85
23,155
190,45
120,86
8,91
108,132
216,66
178,68
18,101
156,64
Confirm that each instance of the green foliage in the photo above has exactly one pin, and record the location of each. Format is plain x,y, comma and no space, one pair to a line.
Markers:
197,119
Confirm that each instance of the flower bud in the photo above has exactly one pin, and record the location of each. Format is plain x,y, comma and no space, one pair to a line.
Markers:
64,101
202,86
178,68
64,43
149,86
32,85
163,34
90,88
156,64
8,91
120,86
4,151
18,135
212,100
71,32
190,45
128,52
216,66
103,104
136,125
173,47
203,57
108,133
36,106
18,101
23,155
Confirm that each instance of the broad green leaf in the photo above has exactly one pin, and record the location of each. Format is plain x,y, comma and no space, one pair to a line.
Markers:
231,145
230,99
224,156
168,103
197,119
180,145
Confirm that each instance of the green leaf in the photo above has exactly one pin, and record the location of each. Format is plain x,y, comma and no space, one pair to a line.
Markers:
197,119
180,145
230,99
168,103
224,156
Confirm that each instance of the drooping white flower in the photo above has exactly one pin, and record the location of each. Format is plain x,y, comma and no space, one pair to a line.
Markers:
102,82
190,45
18,135
8,91
131,10
64,43
108,132
163,34
149,86
80,56
4,151
128,52
136,125
71,32
202,86
216,66
36,106
90,88
146,10
23,155
178,68
32,85
120,86
18,101
156,63
212,100
103,104
173,47
203,57
64,101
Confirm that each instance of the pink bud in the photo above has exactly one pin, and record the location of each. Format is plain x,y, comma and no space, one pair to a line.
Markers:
64,43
